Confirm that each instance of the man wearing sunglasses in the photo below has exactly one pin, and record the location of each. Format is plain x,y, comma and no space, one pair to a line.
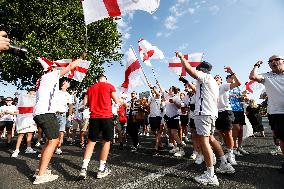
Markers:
273,82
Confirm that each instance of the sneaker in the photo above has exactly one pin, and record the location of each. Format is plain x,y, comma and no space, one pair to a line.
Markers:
206,179
48,171
183,143
147,134
242,151
276,151
174,150
231,159
30,151
179,153
193,155
15,153
199,159
103,173
58,151
37,144
171,145
237,152
45,178
225,168
83,174
133,149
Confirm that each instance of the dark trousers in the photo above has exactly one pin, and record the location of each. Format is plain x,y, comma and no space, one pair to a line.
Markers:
133,129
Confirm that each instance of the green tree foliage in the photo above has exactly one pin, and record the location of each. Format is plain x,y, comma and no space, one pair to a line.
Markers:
54,29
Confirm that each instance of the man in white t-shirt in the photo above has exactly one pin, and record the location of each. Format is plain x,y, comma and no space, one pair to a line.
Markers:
205,114
7,118
64,104
224,122
45,117
273,82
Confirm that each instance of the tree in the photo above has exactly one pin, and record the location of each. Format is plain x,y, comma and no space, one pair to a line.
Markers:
55,30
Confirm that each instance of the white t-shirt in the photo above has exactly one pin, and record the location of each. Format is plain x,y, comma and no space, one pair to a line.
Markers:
274,86
207,93
63,98
8,117
46,93
223,100
155,106
171,108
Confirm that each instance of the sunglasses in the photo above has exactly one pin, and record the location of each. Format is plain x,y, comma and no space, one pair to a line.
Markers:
275,59
9,100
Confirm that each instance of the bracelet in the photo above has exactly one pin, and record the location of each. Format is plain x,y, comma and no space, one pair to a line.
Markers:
257,64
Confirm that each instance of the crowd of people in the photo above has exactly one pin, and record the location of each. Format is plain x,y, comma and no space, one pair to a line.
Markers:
210,112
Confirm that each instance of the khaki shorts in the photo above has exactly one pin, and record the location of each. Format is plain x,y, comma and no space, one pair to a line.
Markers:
82,124
205,125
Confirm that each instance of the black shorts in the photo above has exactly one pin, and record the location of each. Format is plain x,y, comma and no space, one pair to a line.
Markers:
6,124
49,124
97,125
172,123
192,124
225,120
269,121
239,118
277,123
155,123
184,120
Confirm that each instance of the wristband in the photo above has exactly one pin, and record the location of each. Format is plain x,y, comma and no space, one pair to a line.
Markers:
257,64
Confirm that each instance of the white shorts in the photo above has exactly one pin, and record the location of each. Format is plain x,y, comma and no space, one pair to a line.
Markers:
205,125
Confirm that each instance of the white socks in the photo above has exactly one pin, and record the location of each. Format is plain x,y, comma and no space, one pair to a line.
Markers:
85,163
102,165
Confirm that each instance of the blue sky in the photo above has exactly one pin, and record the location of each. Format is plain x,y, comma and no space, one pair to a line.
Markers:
234,33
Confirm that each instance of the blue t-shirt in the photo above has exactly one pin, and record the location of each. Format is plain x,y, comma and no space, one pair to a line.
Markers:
234,98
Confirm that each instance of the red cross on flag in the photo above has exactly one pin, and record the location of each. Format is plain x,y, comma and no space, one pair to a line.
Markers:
194,60
95,10
148,51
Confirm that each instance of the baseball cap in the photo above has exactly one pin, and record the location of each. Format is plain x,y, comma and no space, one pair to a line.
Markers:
204,66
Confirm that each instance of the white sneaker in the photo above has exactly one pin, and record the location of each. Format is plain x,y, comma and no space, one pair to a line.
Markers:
147,134
37,144
83,173
231,159
199,159
193,155
225,168
171,145
30,151
58,151
48,171
45,178
103,173
242,151
206,179
276,151
174,150
183,143
15,153
237,152
179,153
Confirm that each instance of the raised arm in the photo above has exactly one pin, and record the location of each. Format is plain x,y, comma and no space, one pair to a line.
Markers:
254,72
236,82
188,68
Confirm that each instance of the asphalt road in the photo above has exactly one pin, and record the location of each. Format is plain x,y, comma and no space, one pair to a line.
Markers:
142,170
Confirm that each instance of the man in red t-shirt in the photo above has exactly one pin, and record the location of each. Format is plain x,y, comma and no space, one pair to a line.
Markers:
98,98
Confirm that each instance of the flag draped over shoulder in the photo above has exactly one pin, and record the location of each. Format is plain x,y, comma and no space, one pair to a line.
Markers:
194,60
148,51
78,73
133,73
95,10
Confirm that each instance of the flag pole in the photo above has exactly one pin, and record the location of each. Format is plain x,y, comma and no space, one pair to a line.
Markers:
140,66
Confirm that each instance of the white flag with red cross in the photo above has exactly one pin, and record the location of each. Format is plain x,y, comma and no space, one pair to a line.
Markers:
133,73
24,120
95,10
194,60
148,51
78,73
